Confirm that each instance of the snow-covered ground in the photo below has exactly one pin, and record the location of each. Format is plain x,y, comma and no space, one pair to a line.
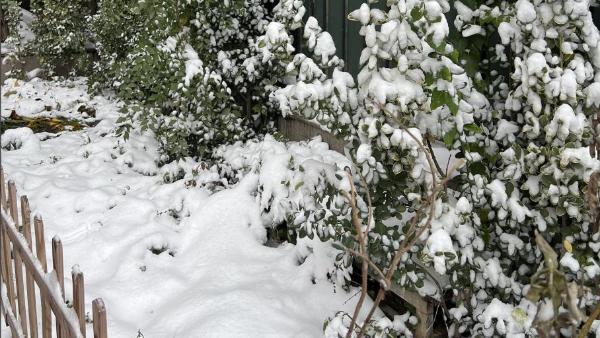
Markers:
169,260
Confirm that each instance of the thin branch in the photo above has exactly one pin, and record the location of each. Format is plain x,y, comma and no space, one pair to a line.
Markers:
435,161
585,330
364,257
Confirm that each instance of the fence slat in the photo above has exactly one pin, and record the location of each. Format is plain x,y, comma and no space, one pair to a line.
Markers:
99,316
8,270
2,189
57,264
40,249
20,290
12,194
31,299
79,297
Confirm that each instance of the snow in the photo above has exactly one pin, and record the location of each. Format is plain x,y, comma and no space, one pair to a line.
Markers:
525,11
363,153
570,262
564,123
536,63
20,138
193,65
439,242
108,203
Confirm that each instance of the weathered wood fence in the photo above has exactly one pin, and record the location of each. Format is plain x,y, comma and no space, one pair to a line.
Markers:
28,286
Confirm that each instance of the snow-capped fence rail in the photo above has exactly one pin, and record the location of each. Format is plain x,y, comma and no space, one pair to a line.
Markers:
22,271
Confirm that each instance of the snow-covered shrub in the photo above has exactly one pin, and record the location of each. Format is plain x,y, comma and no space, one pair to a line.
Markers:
116,28
534,167
185,104
224,37
61,33
520,122
12,46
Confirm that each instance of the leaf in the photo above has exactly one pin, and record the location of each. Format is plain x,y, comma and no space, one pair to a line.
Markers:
450,137
445,74
568,246
475,129
440,98
417,13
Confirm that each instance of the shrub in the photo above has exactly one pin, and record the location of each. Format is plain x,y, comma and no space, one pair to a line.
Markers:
523,142
61,33
237,85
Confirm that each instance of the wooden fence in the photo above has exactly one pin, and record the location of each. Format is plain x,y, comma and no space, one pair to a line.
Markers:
23,272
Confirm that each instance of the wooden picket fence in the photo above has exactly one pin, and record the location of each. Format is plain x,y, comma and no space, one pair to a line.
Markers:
23,272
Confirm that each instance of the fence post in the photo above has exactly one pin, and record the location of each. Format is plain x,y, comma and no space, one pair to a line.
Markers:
18,266
57,264
12,194
31,303
99,313
20,290
2,189
7,265
40,249
79,297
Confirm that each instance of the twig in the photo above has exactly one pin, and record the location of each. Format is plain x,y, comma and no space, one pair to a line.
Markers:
588,323
435,161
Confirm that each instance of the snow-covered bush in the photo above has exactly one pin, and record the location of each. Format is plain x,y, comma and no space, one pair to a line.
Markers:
12,46
185,104
61,33
520,122
222,35
116,28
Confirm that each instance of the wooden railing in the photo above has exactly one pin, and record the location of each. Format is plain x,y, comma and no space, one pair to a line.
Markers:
24,273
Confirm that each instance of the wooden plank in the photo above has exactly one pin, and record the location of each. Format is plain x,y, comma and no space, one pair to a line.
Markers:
4,264
99,316
58,265
12,194
2,189
31,298
45,289
20,290
7,264
79,297
40,249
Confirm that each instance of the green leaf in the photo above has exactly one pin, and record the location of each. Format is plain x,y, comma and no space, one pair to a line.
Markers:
440,98
450,137
416,13
445,74
475,129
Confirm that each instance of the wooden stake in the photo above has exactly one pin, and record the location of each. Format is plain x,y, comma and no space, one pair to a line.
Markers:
8,266
57,264
79,297
2,189
99,312
31,299
12,194
20,291
40,248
